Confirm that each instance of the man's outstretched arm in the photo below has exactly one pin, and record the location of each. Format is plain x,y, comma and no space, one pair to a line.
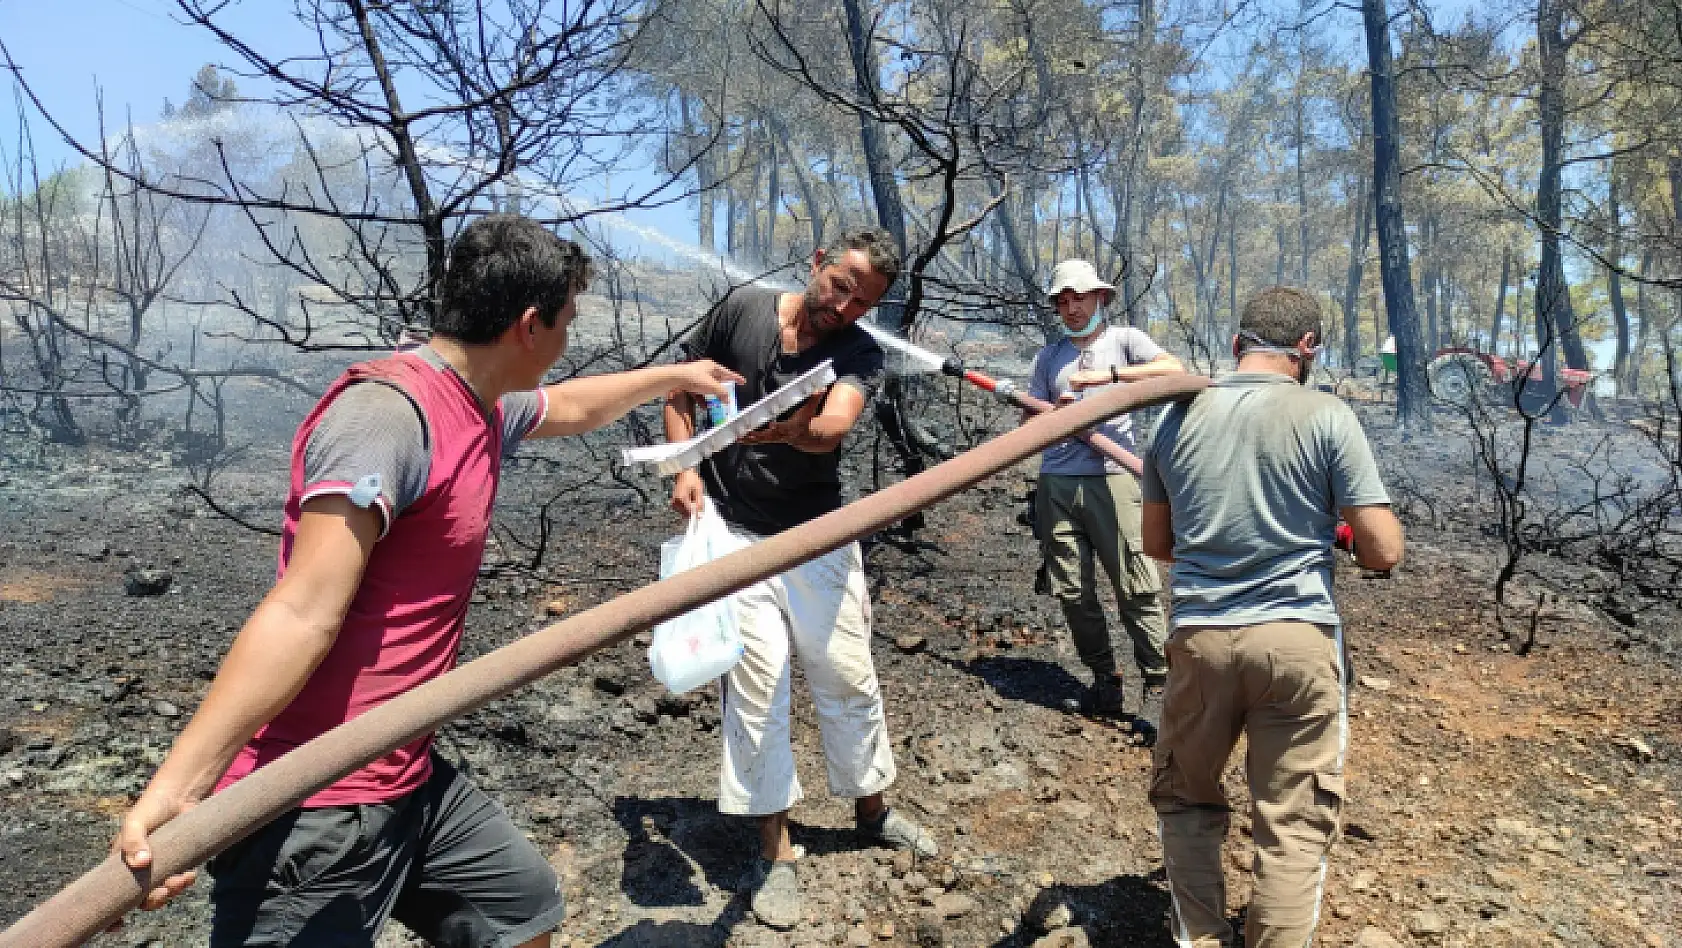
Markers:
585,404
287,636
1163,363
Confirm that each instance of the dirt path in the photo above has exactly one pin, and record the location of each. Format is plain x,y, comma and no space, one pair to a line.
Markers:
1495,799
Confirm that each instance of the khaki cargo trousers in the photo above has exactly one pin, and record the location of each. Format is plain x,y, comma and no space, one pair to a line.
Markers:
1087,521
1281,684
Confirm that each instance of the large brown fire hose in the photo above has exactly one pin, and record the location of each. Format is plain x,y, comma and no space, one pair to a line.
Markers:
86,906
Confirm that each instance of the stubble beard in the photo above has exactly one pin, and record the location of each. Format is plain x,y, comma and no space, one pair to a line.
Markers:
814,311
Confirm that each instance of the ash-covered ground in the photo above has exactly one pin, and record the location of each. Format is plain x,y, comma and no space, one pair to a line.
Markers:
1496,799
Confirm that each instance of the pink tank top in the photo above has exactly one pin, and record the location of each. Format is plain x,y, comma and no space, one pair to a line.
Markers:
405,621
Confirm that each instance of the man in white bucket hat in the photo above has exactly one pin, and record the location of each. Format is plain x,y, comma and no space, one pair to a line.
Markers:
1087,508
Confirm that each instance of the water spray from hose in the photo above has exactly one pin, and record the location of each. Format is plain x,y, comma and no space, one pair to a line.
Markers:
921,359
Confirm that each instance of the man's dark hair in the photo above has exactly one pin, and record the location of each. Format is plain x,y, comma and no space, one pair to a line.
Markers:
878,245
500,265
1280,316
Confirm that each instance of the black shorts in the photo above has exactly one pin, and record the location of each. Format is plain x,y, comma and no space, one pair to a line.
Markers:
444,860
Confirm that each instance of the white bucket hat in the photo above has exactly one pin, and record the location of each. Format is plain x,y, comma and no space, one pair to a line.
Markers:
1078,275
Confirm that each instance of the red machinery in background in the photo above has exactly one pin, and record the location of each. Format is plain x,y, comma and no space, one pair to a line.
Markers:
1460,375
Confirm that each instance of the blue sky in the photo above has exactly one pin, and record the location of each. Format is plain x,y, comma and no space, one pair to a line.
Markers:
137,53
133,52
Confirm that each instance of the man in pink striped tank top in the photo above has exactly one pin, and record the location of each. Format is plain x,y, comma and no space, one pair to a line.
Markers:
393,476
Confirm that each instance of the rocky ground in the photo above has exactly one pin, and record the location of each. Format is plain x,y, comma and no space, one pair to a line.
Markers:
1496,799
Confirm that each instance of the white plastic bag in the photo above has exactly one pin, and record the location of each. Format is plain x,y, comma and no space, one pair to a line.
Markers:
702,644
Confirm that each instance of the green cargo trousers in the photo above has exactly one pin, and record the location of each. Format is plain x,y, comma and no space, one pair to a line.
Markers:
1282,685
1091,520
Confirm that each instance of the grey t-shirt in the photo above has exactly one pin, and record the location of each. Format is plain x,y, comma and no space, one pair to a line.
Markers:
371,443
1116,345
1255,470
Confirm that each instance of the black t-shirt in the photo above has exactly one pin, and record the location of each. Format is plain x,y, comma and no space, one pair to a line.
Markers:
770,487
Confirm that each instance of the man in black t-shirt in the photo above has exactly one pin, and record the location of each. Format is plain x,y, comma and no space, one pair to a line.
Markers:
774,479
777,477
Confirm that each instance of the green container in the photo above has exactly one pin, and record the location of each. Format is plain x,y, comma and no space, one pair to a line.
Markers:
1389,360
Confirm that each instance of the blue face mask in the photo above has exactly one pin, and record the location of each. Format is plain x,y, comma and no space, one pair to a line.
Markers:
1090,328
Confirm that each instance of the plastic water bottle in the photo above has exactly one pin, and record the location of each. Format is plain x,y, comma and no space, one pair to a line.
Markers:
721,409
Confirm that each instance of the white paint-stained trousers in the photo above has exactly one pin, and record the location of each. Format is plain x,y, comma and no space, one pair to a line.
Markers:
819,611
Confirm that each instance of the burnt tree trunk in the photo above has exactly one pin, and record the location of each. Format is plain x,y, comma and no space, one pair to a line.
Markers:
750,200
1352,278
1555,319
890,212
732,211
1413,405
1500,301
1127,188
1302,194
1279,258
802,171
1232,270
1057,228
1644,320
1445,309
833,179
1433,333
706,178
773,199
1673,170
1614,280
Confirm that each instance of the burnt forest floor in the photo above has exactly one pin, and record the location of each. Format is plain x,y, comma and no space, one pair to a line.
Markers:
1495,799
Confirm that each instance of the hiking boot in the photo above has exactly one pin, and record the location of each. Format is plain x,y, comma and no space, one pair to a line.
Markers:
896,832
775,893
1104,699
1149,719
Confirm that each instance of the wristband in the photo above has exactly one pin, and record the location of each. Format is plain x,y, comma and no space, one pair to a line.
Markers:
1115,375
